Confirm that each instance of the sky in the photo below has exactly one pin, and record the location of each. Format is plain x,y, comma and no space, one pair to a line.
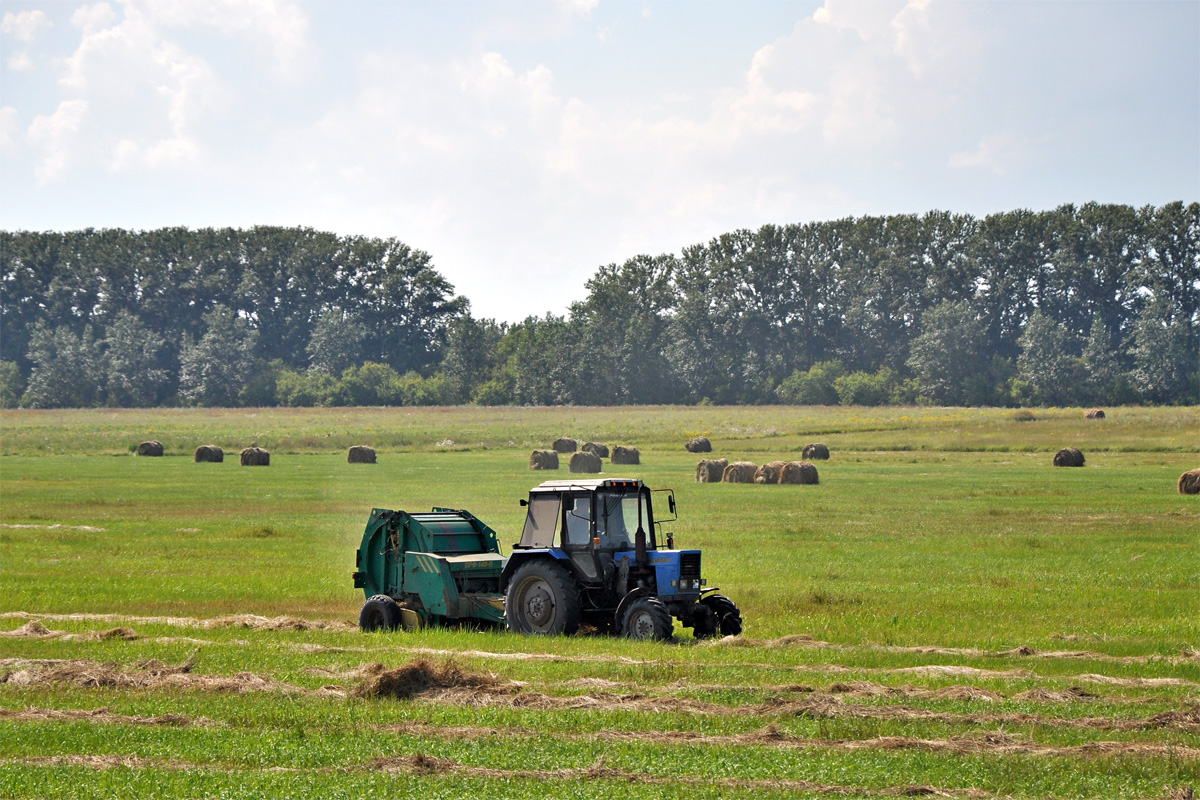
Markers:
524,145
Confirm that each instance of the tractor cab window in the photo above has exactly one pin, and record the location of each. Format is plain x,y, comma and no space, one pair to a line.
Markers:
617,519
541,522
578,518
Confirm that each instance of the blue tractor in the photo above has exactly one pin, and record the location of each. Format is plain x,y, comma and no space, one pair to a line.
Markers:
592,553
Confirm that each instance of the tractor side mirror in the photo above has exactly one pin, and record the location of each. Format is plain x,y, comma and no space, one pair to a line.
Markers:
524,502
671,503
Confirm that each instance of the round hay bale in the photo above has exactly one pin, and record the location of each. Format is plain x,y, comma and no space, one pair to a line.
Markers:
700,444
361,454
799,472
209,453
626,455
255,457
815,452
543,459
1068,457
1189,482
565,445
739,472
585,462
151,448
1095,413
596,449
709,470
769,472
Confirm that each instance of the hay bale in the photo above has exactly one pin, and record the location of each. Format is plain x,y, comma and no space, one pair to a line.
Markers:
1068,457
739,472
769,472
1095,413
700,444
209,453
1189,482
815,452
255,457
565,445
543,459
626,455
151,448
596,449
799,472
709,470
361,454
585,462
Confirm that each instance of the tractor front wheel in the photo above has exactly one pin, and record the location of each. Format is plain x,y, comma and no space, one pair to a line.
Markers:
729,619
647,618
542,598
379,613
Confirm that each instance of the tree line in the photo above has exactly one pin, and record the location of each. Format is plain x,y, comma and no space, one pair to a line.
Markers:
1092,304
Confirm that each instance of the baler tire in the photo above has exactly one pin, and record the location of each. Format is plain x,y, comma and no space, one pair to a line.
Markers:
379,613
729,619
542,599
648,618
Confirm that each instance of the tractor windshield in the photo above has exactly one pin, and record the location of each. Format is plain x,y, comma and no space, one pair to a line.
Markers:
617,519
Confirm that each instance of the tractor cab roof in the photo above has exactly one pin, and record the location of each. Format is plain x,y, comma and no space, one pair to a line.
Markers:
589,485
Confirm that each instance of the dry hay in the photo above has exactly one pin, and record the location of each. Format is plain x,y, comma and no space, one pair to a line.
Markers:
209,453
799,472
151,674
596,449
700,444
1095,413
626,455
543,459
815,452
255,457
101,716
361,454
1069,457
769,472
565,445
585,462
709,470
280,623
423,677
150,448
739,472
1189,482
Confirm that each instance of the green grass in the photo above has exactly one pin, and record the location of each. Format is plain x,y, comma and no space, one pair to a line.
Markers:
936,538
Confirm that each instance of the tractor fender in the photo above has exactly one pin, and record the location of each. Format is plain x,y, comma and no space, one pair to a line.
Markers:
632,595
520,557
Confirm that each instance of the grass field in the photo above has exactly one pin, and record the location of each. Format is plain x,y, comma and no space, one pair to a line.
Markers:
946,613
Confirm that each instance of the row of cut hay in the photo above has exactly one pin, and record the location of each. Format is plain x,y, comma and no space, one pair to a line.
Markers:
250,456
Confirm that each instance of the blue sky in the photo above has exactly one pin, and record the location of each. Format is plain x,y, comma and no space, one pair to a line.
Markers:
525,144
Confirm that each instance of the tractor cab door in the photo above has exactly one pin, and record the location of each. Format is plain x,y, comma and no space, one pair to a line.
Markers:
577,535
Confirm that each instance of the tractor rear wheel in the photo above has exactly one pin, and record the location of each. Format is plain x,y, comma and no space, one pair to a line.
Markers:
647,618
542,598
379,613
729,619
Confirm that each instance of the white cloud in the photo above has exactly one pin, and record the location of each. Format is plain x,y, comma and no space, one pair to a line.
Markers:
996,153
25,26
56,136
581,8
94,17
20,62
10,130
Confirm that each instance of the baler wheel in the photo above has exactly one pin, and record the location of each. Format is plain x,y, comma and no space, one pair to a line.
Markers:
647,618
379,613
729,619
542,598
